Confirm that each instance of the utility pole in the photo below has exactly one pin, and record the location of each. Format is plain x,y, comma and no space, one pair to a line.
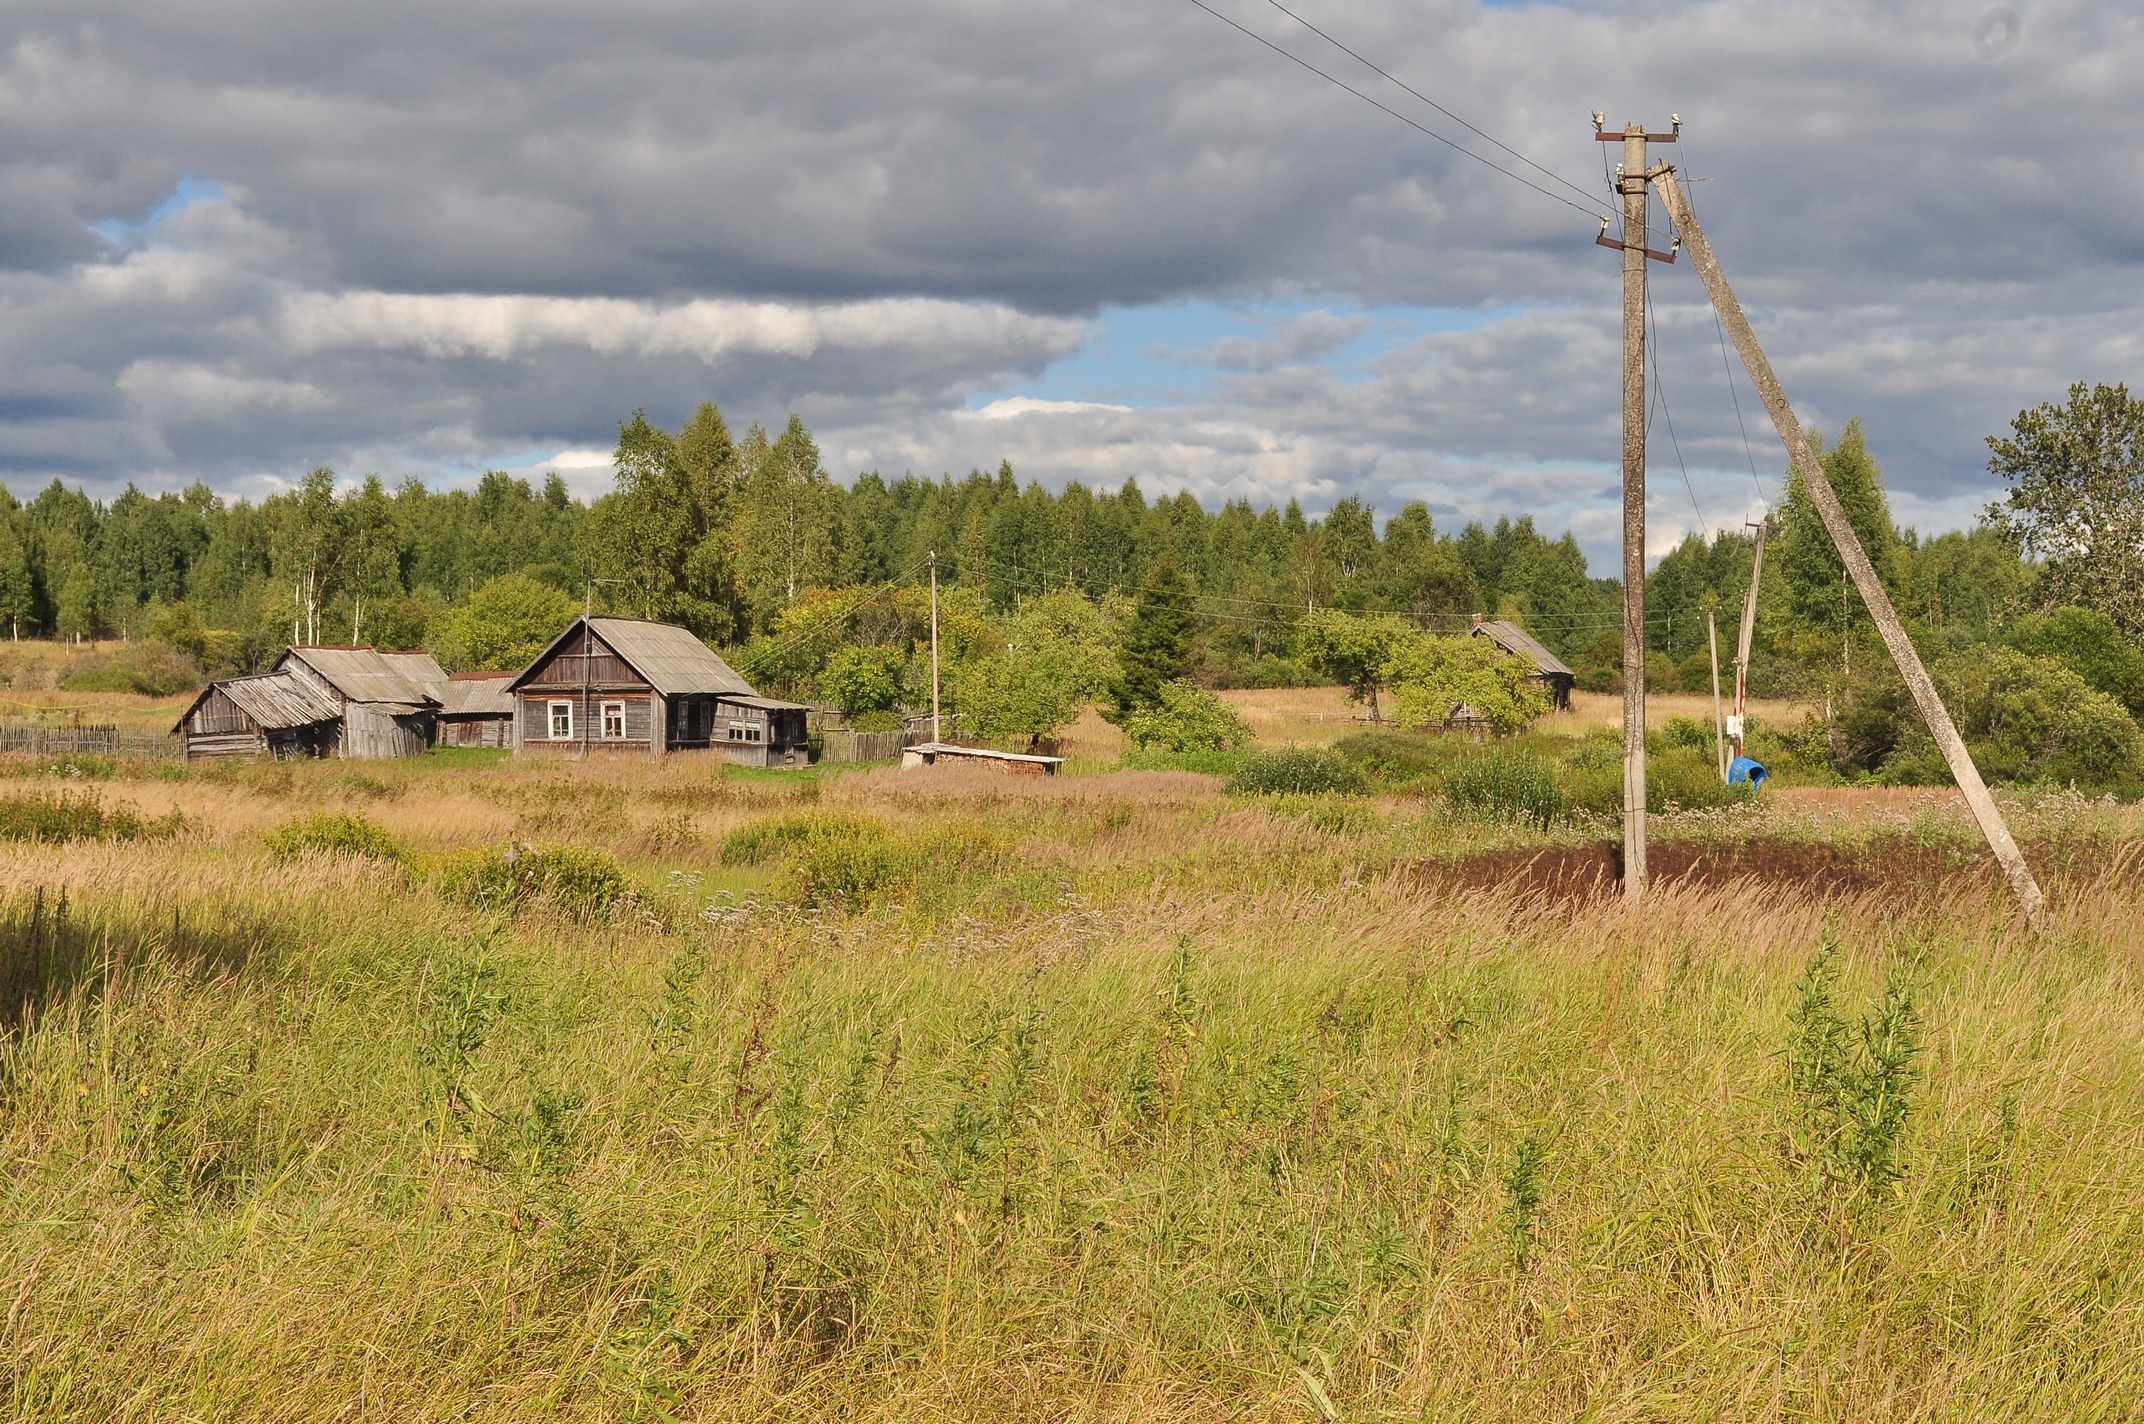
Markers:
1632,186
1856,559
937,729
1738,724
1719,737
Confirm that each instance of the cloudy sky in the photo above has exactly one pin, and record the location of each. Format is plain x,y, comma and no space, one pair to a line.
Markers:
1108,239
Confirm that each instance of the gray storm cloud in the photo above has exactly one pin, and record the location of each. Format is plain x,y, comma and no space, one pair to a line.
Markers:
418,234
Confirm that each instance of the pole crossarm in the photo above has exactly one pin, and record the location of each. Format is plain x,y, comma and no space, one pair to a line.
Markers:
1828,508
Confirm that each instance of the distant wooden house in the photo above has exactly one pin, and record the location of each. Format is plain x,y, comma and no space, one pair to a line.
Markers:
1550,671
476,709
352,702
633,685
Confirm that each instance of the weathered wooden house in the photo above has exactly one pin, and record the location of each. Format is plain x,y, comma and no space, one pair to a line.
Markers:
1556,679
476,709
352,702
633,685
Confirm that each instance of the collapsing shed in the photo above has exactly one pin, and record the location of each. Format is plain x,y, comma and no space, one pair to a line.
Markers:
272,714
634,685
353,702
1550,671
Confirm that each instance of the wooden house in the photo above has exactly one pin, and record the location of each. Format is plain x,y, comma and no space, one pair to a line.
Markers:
633,685
352,702
1557,679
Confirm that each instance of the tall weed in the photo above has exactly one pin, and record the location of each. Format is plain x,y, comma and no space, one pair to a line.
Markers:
1853,1083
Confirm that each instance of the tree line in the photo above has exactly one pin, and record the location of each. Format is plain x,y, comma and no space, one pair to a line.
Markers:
740,538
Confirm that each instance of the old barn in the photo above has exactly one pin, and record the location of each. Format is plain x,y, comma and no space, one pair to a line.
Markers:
476,709
634,685
1549,670
352,702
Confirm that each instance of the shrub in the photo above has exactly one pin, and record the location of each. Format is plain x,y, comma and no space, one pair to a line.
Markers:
837,856
504,624
1676,779
1187,718
53,816
863,679
579,879
1214,763
1298,771
1397,758
2024,719
2088,643
333,833
1507,783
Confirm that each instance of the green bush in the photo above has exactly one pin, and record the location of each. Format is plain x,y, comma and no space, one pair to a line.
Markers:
1676,779
578,879
2024,719
66,816
1507,783
1214,763
333,833
1298,771
863,679
148,669
1187,718
1397,758
838,857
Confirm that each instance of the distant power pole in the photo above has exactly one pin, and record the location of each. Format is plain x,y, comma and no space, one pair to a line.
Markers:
1631,183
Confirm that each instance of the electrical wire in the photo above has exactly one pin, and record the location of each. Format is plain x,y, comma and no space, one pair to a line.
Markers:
1411,123
1660,391
1719,327
1386,74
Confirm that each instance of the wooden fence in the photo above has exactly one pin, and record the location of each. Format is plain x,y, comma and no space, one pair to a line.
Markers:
44,739
842,744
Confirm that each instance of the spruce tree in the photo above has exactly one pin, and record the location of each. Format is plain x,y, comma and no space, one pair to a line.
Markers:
1156,646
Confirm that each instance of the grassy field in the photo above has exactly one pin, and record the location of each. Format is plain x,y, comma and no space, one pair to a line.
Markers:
941,1095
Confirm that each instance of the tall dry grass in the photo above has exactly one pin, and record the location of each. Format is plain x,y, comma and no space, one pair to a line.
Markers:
1164,1107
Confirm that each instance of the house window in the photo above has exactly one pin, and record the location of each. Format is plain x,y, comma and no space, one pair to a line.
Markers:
562,721
744,731
613,721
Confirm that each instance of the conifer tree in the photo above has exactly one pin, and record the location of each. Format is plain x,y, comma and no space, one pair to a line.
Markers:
1156,645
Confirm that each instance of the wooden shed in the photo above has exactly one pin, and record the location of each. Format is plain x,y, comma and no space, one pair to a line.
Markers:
634,685
315,701
1549,669
476,709
272,714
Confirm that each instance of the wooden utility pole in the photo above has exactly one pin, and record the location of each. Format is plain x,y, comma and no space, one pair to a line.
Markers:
937,730
1856,559
1738,725
1719,736
1631,185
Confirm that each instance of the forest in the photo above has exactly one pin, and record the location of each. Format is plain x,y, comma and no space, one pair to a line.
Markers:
748,539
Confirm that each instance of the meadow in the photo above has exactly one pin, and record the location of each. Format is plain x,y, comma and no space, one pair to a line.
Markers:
474,1088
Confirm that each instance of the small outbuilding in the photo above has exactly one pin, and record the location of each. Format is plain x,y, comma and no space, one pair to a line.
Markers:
1550,670
635,685
271,714
476,709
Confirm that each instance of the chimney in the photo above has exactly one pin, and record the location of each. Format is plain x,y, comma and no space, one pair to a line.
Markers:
1477,620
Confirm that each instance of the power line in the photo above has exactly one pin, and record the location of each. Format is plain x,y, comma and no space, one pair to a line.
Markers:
1727,369
1448,143
1660,392
1375,68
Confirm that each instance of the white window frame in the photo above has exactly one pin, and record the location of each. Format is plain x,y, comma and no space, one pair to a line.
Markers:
608,709
745,732
556,734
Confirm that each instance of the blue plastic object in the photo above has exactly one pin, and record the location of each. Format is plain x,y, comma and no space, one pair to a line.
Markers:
1742,769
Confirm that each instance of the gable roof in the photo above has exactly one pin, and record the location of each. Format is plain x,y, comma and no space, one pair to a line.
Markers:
1514,639
669,658
367,675
276,701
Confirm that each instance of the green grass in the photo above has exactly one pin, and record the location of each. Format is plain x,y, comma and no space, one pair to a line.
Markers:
1140,1105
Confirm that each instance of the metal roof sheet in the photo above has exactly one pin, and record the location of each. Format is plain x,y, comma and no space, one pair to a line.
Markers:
366,675
1514,639
463,696
672,660
278,701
